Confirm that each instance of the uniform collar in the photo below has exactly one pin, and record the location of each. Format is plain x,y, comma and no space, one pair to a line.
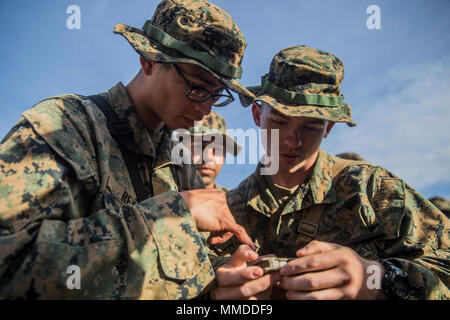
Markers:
317,189
164,155
321,180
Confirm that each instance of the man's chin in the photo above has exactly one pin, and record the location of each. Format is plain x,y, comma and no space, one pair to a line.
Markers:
207,180
178,127
177,124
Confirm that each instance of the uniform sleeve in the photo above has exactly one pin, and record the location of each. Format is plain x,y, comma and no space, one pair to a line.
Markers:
50,248
417,236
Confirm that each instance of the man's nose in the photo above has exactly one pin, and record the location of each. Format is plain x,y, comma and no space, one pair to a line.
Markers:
293,140
208,155
196,157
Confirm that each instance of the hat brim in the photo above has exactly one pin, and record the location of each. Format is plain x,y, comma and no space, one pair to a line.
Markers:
228,141
151,50
341,113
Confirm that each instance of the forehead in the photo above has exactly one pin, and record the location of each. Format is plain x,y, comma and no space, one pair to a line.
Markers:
202,76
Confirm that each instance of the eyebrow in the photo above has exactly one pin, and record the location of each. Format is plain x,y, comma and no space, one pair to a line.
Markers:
316,121
202,79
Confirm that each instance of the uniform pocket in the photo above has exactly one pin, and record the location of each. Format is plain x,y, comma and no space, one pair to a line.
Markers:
180,256
85,251
117,194
389,207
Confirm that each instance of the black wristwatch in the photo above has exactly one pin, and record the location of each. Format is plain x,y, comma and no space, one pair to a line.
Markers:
395,282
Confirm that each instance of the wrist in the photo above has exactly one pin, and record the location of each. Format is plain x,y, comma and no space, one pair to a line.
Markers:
374,282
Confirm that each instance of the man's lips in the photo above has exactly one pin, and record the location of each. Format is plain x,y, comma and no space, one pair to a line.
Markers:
289,157
205,170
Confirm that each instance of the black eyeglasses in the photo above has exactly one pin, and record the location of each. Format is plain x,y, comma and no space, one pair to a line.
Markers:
200,94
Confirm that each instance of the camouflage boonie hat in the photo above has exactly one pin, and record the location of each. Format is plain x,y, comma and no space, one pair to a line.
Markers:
192,31
213,124
304,82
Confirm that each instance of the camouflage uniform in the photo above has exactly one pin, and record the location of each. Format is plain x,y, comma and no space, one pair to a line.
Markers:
362,200
66,197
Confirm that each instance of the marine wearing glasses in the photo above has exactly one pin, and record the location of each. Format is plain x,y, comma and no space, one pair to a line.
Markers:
199,94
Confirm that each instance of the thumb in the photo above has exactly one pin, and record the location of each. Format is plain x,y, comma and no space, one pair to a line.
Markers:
243,254
219,238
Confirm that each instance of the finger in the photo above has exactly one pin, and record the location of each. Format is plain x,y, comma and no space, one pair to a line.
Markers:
218,238
234,277
275,277
268,255
242,255
265,295
327,294
268,293
315,247
315,262
240,233
313,281
278,294
244,291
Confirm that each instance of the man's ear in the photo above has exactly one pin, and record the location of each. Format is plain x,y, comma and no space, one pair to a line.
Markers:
330,126
146,65
256,111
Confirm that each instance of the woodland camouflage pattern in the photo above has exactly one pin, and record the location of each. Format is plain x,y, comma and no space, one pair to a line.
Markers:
363,199
304,70
66,199
212,123
200,25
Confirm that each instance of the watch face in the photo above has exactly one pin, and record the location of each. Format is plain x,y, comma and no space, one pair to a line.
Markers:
396,282
401,287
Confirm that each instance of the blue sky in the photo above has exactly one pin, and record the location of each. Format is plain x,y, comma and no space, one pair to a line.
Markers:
396,78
